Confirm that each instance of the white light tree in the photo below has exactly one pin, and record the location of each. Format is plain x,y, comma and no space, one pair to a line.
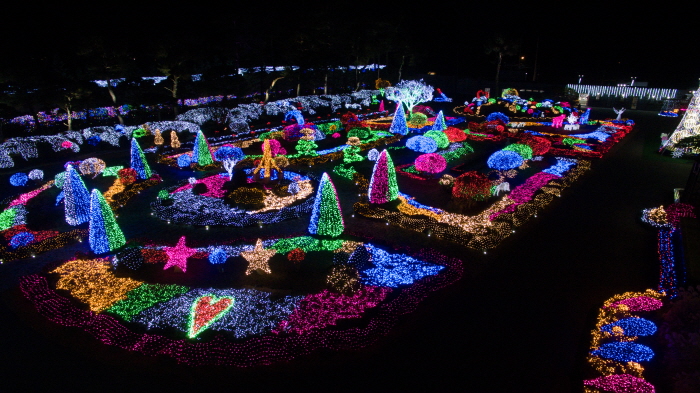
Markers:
410,93
689,127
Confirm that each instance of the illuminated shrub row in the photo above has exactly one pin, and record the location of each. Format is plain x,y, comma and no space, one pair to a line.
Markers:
258,329
486,230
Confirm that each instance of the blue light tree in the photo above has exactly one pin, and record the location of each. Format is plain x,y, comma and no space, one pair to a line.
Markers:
76,198
398,125
138,161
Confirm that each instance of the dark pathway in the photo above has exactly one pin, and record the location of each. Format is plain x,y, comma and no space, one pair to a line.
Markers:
518,321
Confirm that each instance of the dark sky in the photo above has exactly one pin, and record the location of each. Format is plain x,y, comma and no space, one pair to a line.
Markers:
606,44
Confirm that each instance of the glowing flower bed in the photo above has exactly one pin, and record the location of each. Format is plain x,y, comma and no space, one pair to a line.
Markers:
182,206
200,325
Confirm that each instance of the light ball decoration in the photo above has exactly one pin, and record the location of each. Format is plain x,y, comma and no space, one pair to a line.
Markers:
184,160
498,116
504,160
21,239
525,151
373,155
430,163
19,179
36,174
439,137
422,144
455,135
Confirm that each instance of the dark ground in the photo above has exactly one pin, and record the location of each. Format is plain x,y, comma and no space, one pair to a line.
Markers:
518,321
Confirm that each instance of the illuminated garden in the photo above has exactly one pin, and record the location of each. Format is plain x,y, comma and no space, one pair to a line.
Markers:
326,223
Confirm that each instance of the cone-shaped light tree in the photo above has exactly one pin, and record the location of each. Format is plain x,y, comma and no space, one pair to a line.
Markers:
688,127
326,217
105,235
440,124
398,125
76,198
382,186
138,161
202,153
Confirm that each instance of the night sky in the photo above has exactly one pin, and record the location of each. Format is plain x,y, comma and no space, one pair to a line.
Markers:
607,44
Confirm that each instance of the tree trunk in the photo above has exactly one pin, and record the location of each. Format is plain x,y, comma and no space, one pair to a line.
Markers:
403,58
298,88
267,92
114,100
325,83
69,113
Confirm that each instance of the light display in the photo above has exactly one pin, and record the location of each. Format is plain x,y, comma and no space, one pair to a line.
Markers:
92,166
383,187
258,258
104,233
19,179
439,137
76,198
267,163
558,122
498,116
619,113
36,174
439,124
218,256
421,144
138,161
143,297
430,163
455,135
174,141
504,160
92,282
635,326
326,216
326,308
398,124
205,311
621,383
409,93
688,127
524,150
177,256
201,152
624,91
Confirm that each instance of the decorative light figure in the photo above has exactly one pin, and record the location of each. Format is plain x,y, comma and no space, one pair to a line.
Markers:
105,235
138,161
76,198
326,216
383,187
398,125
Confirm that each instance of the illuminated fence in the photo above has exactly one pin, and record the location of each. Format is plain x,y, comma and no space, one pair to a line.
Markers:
625,91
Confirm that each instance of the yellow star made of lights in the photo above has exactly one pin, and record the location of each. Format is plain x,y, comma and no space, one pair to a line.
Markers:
258,258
